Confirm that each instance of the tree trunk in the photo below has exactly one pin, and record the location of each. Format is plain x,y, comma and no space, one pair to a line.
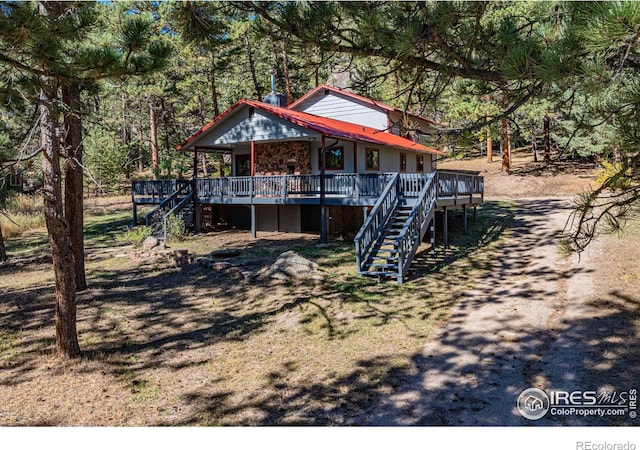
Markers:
140,151
252,67
506,146
547,140
287,81
73,176
153,126
489,144
214,91
205,171
534,145
3,250
58,229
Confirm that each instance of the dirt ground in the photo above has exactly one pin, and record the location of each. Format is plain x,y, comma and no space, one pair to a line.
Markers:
535,319
499,312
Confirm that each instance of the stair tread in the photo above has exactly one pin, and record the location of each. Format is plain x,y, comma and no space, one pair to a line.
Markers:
383,274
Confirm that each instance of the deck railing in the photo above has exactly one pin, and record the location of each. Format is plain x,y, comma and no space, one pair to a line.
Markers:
456,185
155,191
339,184
352,185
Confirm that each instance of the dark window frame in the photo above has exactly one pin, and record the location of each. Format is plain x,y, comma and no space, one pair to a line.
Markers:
327,158
367,151
403,162
419,163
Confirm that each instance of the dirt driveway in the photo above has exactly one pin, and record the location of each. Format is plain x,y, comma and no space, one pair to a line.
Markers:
536,320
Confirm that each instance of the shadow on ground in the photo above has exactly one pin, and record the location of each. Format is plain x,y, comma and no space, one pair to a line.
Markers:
142,317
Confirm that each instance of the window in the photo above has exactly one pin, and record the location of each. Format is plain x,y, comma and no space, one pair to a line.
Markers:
403,162
419,163
372,156
334,158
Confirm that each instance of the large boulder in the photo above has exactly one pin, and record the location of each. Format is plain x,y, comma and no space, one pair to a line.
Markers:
150,243
291,266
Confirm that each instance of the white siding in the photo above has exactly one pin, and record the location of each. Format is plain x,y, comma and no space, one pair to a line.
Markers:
261,127
347,109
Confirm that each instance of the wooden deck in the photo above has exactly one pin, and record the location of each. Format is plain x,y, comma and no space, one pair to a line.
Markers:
344,189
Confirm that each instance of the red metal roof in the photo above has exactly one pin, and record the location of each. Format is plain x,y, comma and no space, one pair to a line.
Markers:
382,106
325,126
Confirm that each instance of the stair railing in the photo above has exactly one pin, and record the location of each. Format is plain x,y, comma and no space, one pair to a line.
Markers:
156,218
182,210
413,231
376,220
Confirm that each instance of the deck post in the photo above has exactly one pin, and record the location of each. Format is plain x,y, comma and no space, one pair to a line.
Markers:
433,235
323,208
464,219
475,213
135,213
194,190
253,221
445,226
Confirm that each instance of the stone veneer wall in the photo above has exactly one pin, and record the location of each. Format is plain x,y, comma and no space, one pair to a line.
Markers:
273,158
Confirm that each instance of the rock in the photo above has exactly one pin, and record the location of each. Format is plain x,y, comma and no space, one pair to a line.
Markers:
291,265
207,262
322,245
221,265
247,275
224,253
149,243
319,278
181,256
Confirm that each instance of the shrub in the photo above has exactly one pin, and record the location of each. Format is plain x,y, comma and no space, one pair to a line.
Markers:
135,235
175,228
615,175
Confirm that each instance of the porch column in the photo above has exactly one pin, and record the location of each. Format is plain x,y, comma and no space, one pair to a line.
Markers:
253,158
253,173
323,209
445,226
194,188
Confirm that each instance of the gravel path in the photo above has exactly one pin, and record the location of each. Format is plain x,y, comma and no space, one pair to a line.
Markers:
537,320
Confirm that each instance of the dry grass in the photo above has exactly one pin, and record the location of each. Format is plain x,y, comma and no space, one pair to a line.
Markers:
192,346
22,213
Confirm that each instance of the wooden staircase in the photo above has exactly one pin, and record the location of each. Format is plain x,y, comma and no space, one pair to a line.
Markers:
393,231
383,259
179,204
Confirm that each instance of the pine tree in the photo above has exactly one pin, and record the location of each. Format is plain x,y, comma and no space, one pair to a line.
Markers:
60,46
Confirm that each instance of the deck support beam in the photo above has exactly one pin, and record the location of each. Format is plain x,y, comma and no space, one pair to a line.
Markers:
253,221
445,227
433,236
475,213
323,225
464,219
135,213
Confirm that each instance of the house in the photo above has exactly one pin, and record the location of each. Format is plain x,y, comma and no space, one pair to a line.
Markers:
332,162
